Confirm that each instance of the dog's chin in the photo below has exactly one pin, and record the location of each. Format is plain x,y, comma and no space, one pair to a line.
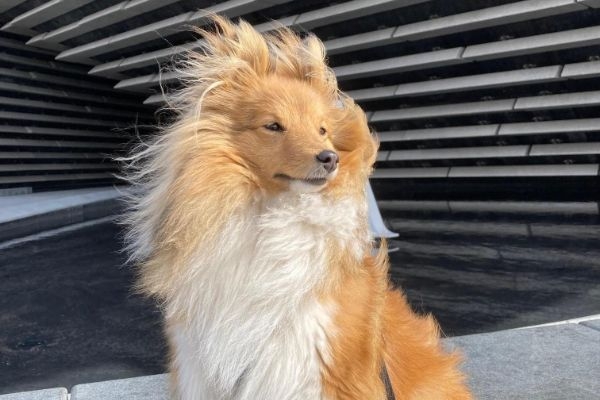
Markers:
300,186
311,185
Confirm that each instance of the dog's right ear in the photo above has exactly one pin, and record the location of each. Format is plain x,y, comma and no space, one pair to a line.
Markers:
353,134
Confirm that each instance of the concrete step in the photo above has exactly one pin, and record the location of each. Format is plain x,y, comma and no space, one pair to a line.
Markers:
46,394
552,361
31,213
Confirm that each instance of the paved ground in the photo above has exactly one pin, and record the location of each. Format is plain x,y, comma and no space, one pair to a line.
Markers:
488,271
67,315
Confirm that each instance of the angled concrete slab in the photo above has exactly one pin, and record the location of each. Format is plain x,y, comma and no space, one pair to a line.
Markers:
552,362
26,214
46,394
153,387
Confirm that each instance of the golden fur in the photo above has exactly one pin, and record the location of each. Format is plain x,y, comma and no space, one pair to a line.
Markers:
218,158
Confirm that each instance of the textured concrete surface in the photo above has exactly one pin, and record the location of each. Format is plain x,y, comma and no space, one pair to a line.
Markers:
154,387
546,362
22,215
549,362
46,394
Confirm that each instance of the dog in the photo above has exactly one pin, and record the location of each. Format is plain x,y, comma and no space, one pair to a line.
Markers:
248,219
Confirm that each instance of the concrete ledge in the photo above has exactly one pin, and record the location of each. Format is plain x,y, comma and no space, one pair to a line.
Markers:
154,387
46,394
27,214
553,361
546,362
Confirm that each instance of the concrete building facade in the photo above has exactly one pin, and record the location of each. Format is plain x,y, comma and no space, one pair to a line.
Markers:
471,99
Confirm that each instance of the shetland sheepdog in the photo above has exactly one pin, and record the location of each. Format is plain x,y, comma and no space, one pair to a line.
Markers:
248,220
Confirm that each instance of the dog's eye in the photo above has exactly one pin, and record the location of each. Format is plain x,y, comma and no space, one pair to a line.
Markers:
322,131
275,127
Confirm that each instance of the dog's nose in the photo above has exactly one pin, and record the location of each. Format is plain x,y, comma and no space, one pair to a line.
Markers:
329,159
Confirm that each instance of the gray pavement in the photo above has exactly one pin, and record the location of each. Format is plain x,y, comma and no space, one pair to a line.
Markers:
547,362
558,361
68,314
152,387
65,294
68,317
46,394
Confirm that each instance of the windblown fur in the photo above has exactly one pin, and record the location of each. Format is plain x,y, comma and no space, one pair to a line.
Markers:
259,253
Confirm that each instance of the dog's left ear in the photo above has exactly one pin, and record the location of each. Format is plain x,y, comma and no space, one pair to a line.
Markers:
353,134
371,149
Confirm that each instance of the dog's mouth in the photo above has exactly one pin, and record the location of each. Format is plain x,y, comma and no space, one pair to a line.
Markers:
311,181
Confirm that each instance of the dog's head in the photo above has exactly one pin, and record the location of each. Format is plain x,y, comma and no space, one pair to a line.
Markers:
258,116
295,138
278,105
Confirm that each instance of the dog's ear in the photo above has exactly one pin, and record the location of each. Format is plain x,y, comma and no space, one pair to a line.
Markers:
353,134
236,47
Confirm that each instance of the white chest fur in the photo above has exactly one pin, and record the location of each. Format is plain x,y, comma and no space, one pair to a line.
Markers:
252,326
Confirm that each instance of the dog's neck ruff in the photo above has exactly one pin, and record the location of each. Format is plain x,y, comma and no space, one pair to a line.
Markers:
246,322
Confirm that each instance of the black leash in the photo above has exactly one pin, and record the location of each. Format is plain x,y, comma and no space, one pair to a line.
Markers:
389,391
